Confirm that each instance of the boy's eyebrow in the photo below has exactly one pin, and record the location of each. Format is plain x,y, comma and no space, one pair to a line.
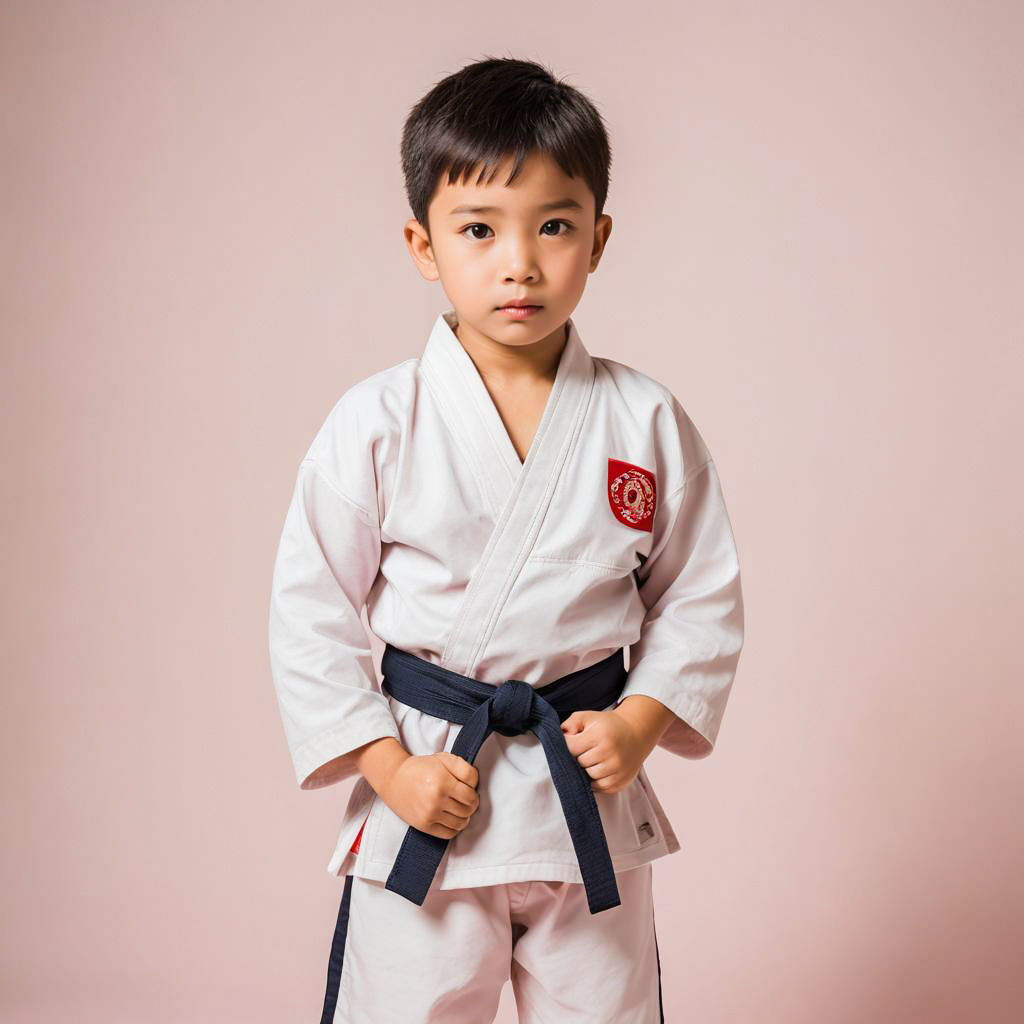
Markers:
568,203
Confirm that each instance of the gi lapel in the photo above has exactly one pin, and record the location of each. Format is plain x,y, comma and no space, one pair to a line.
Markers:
519,494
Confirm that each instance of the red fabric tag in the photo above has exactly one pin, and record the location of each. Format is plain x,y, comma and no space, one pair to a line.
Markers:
632,494
355,845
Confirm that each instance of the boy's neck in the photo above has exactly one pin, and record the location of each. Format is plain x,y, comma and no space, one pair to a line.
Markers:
515,365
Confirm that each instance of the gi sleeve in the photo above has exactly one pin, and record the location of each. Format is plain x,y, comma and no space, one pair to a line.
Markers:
320,655
692,633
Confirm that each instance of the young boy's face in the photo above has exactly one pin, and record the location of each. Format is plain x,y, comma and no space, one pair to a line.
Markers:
537,240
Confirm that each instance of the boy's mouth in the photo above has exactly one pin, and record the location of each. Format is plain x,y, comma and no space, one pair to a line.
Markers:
519,310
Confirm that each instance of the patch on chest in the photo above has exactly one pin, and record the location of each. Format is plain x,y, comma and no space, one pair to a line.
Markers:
632,494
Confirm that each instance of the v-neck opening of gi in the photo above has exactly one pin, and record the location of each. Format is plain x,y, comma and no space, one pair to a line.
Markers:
497,428
518,493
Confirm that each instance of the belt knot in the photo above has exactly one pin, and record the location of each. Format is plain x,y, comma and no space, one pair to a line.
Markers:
510,707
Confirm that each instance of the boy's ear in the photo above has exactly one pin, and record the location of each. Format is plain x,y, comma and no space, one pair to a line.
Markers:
420,249
602,229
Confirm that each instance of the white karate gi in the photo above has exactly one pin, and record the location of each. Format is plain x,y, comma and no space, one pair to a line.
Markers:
412,499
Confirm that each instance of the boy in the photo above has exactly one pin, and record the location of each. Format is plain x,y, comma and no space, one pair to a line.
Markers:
513,512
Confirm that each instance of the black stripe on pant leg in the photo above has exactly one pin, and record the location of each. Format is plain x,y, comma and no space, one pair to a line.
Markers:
337,958
661,1007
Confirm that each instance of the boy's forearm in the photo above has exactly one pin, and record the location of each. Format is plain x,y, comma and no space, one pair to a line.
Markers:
378,759
648,716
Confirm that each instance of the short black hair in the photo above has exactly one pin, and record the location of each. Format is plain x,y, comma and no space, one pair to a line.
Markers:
495,108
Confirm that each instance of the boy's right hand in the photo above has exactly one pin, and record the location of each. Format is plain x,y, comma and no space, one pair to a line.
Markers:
435,793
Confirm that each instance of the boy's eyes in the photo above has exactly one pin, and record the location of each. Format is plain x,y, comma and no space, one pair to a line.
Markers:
568,227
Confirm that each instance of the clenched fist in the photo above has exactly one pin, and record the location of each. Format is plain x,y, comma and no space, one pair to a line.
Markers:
608,746
435,793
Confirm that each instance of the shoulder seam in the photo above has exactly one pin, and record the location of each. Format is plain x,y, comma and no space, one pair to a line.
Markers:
322,473
689,476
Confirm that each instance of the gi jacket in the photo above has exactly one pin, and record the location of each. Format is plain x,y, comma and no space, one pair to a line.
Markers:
413,501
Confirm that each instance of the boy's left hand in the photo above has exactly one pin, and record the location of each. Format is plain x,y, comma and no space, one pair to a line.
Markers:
610,746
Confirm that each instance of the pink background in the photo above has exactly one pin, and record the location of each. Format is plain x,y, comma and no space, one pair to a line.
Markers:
817,239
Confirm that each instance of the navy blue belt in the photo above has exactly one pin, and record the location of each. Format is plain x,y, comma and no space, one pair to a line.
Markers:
510,708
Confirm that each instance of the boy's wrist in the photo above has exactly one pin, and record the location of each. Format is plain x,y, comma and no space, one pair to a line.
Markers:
378,760
648,716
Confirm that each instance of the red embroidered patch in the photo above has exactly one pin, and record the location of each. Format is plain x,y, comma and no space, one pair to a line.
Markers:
632,494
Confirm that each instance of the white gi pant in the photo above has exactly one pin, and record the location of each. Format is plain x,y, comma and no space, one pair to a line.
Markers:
393,962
